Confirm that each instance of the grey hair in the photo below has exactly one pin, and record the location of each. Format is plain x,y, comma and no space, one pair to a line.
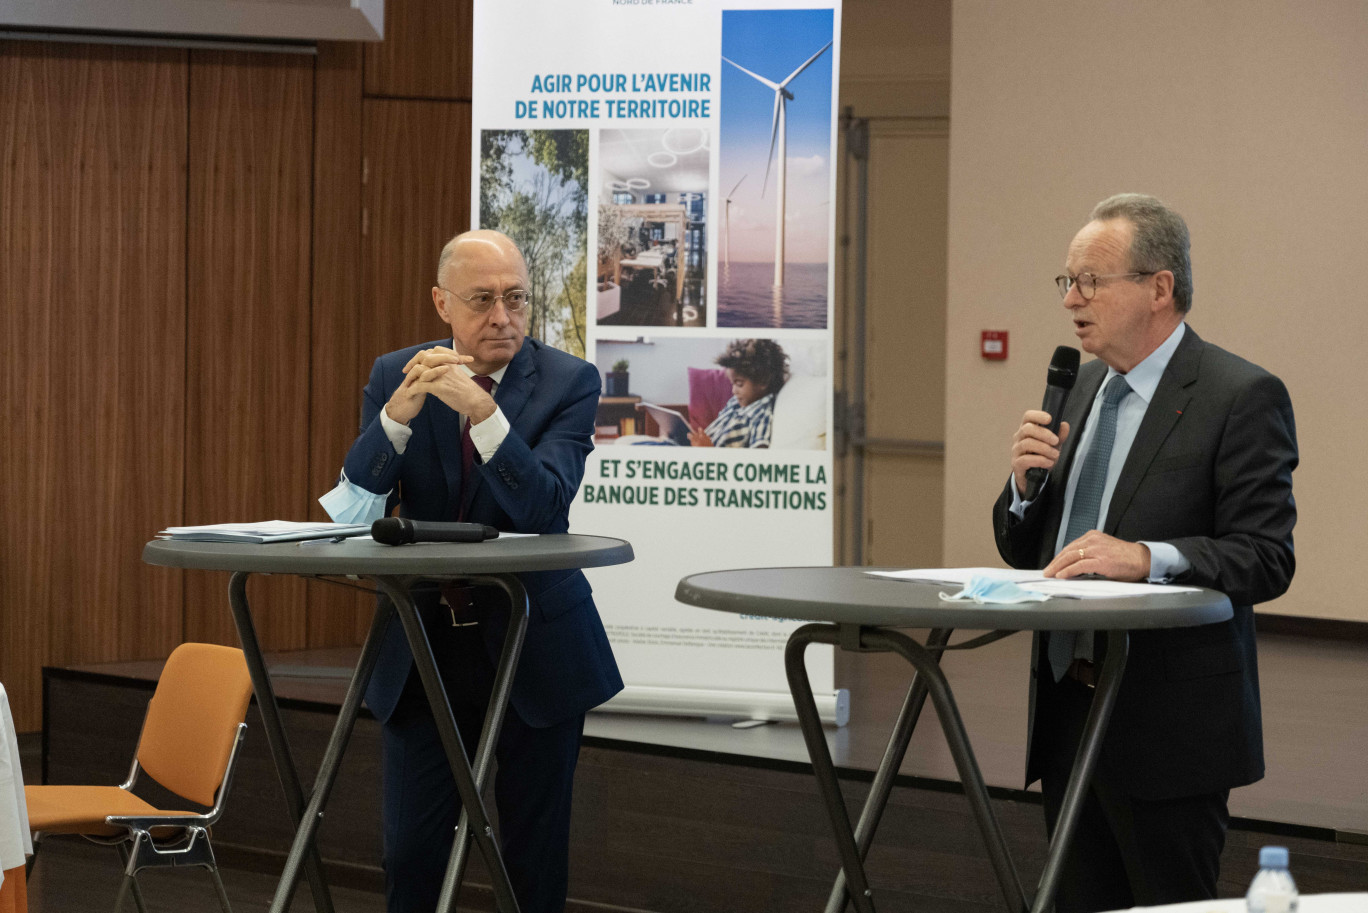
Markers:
1160,241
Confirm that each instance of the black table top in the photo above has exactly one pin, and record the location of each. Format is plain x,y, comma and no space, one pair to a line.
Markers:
849,595
366,557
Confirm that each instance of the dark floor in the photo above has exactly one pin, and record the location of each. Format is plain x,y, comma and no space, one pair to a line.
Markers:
73,875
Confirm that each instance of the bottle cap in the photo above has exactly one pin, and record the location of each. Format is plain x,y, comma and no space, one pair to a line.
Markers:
1273,857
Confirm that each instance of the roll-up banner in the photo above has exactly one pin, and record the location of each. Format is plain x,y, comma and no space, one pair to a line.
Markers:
667,167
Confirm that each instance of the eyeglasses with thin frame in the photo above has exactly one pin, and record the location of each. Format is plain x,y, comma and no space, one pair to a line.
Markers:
1087,282
515,301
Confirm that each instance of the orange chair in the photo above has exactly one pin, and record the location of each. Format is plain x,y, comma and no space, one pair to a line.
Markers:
189,742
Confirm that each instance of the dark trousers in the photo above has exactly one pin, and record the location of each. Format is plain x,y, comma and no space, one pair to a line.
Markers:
1126,851
532,786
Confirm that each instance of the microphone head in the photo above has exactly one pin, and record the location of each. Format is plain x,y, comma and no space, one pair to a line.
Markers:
1063,368
391,531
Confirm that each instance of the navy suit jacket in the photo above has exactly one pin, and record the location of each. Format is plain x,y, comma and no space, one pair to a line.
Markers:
1211,472
549,399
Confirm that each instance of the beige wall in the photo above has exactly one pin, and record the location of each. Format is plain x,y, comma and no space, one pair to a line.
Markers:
1249,118
895,74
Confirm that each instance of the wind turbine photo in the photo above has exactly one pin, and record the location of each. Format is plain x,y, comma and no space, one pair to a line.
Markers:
776,144
779,130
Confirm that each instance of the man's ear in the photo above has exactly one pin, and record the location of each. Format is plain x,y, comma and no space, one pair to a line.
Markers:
440,303
1163,289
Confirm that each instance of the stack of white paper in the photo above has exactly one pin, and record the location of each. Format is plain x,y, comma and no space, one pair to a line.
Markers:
263,532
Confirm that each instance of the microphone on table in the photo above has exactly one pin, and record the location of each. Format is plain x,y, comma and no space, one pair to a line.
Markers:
1060,380
401,531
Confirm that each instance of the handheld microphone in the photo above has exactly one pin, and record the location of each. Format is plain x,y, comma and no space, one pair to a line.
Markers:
401,531
1058,382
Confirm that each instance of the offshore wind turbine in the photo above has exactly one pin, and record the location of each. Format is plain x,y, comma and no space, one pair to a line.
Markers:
779,131
726,224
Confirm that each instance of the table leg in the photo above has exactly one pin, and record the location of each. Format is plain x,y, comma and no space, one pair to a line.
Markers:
275,730
820,754
519,608
882,786
971,778
304,845
1089,747
481,832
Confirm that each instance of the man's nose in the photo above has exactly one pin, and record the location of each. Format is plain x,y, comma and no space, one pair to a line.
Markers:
498,314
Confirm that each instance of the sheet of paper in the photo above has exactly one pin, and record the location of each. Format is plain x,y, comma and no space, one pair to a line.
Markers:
1102,589
1031,580
957,576
263,531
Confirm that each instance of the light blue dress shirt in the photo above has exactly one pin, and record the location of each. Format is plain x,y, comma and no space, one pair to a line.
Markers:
1166,562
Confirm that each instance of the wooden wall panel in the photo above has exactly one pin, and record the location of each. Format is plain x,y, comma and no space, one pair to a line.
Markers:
247,447
337,369
27,242
416,196
426,51
92,252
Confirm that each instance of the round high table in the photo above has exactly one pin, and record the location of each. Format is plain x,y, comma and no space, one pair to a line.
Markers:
860,613
395,570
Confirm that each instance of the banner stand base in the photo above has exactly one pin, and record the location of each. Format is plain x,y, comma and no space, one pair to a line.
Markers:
833,707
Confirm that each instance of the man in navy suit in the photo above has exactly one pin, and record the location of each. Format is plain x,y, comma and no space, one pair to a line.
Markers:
529,410
1173,463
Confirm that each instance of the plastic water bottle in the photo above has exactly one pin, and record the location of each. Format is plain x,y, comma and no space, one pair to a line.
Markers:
1272,890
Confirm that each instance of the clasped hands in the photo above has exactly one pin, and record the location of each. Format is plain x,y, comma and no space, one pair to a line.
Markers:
1094,552
438,371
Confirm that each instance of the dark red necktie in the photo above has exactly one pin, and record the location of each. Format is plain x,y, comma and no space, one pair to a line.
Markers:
468,451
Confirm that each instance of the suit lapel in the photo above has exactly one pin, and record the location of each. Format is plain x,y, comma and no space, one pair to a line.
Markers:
518,382
1165,411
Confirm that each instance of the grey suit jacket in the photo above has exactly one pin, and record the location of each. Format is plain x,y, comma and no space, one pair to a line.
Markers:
1210,472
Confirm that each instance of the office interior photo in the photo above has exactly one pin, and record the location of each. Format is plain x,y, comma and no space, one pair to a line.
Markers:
206,242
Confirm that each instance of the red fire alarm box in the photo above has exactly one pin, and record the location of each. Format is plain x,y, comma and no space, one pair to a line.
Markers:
993,346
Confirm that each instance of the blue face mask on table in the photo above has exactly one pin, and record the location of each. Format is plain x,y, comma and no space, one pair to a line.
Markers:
983,590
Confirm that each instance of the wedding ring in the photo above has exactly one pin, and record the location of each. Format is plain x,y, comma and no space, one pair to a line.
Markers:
1080,553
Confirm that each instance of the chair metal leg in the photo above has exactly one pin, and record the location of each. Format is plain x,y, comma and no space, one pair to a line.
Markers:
218,887
129,884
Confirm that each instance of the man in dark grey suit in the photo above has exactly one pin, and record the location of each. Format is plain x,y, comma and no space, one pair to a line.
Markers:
1173,463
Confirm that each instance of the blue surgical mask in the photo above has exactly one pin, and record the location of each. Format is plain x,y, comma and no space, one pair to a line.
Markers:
983,589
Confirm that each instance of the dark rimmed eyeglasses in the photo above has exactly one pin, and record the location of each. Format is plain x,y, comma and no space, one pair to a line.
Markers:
483,302
1087,282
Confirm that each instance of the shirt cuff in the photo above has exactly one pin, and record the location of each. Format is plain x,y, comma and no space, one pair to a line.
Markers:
1019,506
398,434
1166,562
489,434
349,503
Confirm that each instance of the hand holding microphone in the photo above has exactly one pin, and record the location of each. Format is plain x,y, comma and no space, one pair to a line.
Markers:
1035,448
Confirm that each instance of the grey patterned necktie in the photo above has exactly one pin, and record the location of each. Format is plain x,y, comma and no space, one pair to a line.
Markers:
1087,503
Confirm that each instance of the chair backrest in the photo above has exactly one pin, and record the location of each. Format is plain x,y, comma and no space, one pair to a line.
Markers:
193,718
